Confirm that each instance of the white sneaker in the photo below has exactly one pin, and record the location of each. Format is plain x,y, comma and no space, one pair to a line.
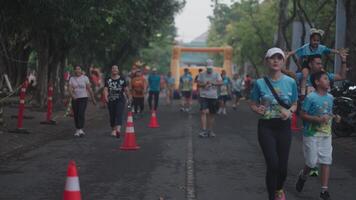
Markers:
113,133
219,111
77,134
224,111
81,132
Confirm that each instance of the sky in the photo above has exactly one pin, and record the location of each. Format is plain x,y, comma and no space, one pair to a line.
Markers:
193,20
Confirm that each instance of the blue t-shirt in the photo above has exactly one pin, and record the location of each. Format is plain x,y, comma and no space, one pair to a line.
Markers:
224,88
317,105
186,81
170,80
307,50
154,82
285,87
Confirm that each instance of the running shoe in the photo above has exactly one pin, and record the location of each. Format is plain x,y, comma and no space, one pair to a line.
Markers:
182,109
300,182
81,133
113,133
325,195
77,134
314,172
203,134
211,134
280,195
224,111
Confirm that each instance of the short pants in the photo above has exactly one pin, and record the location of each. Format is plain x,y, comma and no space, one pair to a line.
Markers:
317,150
187,94
224,98
237,94
211,104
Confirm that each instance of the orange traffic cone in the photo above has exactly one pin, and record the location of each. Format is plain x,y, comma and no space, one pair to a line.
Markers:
72,189
153,121
130,137
294,123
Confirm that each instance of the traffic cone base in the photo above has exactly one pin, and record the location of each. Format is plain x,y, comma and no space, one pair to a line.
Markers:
130,136
130,142
153,121
72,188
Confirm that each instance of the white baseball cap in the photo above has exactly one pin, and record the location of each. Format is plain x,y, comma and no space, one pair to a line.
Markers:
154,69
273,51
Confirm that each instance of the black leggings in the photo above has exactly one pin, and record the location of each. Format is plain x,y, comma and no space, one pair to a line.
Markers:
116,112
155,95
138,102
274,137
79,106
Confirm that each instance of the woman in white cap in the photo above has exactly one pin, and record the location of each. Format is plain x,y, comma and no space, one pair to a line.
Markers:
274,98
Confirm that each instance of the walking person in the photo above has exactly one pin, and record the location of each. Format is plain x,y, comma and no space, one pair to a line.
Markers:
317,146
208,82
224,92
79,88
236,87
186,88
138,91
274,98
170,81
154,87
115,90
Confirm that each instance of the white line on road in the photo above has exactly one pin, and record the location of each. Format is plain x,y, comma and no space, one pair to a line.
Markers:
190,164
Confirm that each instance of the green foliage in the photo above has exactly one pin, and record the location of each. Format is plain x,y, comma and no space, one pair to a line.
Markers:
158,53
250,26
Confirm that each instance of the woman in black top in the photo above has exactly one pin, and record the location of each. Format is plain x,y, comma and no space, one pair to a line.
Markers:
115,93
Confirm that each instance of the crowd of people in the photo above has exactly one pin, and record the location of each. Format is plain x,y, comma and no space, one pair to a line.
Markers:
274,97
277,96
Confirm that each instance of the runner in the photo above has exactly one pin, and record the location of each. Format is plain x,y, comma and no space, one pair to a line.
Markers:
236,85
208,82
317,115
138,91
114,89
315,65
154,84
79,87
170,81
186,87
224,92
274,98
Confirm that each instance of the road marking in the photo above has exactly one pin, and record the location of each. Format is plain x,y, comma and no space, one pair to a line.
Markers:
190,163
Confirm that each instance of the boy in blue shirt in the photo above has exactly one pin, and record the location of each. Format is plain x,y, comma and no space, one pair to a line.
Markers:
317,117
186,87
154,87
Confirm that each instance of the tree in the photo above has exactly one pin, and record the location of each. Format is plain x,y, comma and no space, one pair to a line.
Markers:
350,35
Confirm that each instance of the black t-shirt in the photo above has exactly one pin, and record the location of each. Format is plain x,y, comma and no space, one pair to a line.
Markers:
116,88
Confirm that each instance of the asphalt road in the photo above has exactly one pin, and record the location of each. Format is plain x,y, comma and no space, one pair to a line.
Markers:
173,163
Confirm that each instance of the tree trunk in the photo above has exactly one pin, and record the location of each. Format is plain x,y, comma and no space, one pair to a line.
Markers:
282,20
42,46
350,6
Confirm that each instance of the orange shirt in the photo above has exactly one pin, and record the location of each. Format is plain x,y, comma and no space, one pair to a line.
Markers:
138,85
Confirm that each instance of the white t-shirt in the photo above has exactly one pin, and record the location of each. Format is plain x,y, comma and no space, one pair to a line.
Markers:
212,91
79,85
